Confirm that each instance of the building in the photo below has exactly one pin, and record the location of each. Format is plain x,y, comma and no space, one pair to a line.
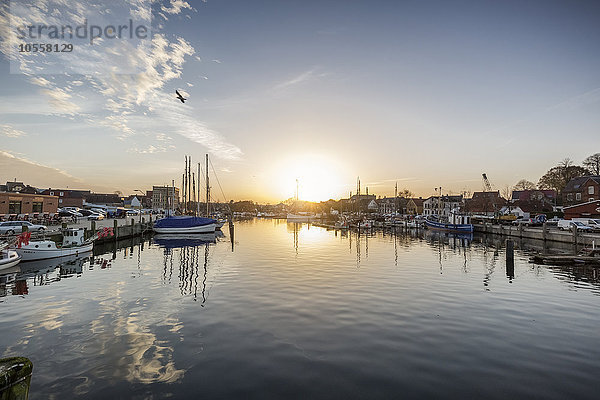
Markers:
414,206
546,196
68,197
108,199
582,189
391,205
22,203
132,202
18,187
591,209
432,206
162,195
485,203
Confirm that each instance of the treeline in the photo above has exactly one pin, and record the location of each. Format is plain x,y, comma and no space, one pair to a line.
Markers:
558,176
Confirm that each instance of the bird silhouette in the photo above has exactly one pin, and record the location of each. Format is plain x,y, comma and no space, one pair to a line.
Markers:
180,97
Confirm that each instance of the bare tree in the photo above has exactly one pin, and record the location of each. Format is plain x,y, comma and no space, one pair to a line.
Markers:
592,163
407,194
524,184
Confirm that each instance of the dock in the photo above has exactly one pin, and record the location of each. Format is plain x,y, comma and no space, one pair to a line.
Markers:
543,233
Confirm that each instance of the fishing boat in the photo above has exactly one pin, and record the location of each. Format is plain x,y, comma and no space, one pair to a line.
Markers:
73,243
456,223
185,224
8,259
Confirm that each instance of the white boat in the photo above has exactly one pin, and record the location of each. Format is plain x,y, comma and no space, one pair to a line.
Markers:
342,225
365,224
73,243
8,258
300,217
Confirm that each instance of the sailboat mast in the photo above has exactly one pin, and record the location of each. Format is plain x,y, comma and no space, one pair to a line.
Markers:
198,202
193,189
207,190
190,186
172,198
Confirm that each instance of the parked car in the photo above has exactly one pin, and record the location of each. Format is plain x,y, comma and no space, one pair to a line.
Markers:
95,217
591,222
12,227
523,221
565,224
553,221
133,212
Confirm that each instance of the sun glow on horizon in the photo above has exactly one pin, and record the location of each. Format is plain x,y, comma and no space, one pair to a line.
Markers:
319,177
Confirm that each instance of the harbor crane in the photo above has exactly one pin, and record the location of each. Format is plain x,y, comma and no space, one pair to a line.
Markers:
487,186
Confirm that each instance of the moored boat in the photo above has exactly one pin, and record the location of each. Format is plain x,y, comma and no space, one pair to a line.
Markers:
456,223
73,243
8,259
185,224
300,217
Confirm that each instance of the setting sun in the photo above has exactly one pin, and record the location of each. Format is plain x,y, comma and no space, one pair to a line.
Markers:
318,177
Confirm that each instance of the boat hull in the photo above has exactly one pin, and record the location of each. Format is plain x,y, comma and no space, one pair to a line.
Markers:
30,252
10,259
465,228
300,218
209,228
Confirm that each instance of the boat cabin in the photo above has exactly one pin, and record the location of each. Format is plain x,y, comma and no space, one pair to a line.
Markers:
73,236
459,219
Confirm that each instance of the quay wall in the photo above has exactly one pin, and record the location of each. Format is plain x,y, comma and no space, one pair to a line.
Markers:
539,233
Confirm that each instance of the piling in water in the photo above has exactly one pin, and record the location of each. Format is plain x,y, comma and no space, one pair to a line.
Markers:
15,377
510,258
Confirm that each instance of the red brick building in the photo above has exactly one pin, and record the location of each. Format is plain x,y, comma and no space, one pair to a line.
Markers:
591,209
581,190
68,197
22,203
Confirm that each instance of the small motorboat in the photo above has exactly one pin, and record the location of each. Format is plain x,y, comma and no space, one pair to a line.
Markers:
8,259
73,244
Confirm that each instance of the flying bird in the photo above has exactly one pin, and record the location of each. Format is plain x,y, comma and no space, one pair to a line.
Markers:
180,97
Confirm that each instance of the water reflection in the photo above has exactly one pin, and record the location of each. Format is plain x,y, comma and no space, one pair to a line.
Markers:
190,253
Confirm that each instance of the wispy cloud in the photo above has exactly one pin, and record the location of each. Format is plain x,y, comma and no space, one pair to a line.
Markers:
22,161
176,6
130,104
9,131
299,79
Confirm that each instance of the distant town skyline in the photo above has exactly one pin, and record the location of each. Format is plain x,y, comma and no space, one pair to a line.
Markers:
425,94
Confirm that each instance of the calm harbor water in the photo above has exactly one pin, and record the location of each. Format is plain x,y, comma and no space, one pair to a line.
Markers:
296,311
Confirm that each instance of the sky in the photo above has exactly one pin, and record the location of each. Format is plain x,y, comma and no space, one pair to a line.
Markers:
422,93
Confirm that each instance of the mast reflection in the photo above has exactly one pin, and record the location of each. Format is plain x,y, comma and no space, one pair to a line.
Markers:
188,252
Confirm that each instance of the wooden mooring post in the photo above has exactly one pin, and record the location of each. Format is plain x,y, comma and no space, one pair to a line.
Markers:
510,258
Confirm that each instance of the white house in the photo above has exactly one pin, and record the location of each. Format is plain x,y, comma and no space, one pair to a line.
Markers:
432,205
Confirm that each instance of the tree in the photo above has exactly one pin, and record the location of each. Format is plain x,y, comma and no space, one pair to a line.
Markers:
557,177
524,184
592,163
407,194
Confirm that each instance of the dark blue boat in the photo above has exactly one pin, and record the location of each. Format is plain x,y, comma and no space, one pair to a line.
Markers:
457,223
185,224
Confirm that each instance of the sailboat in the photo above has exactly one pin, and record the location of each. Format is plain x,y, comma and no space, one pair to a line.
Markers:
185,223
299,216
